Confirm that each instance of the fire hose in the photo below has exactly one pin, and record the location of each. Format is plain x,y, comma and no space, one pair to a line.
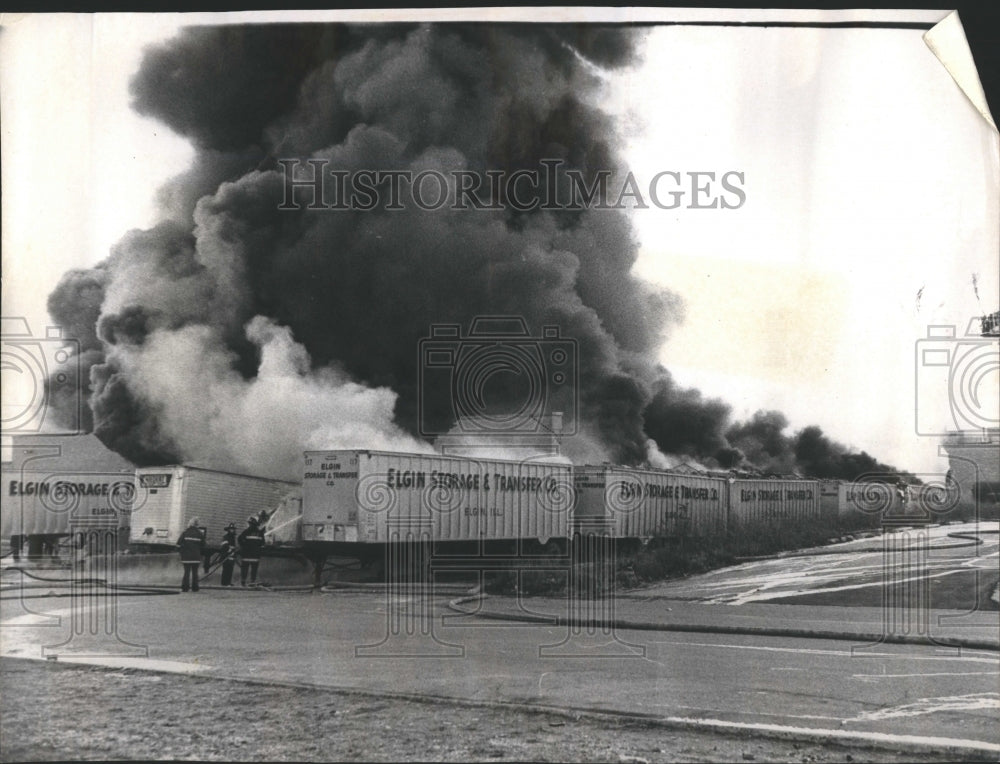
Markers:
80,581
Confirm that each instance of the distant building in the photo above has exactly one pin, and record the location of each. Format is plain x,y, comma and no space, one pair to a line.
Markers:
974,466
974,455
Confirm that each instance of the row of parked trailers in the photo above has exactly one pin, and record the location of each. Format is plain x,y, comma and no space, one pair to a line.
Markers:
369,497
350,500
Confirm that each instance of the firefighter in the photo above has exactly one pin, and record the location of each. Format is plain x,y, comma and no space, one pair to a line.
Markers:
228,554
192,546
902,493
251,542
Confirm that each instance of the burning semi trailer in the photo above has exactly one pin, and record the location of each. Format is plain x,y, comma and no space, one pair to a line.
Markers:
358,503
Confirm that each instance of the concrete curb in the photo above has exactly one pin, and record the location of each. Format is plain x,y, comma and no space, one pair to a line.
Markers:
619,624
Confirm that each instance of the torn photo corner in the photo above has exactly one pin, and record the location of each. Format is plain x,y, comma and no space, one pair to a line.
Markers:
947,40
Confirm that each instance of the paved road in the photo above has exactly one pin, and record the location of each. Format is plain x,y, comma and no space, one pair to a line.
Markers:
400,644
322,639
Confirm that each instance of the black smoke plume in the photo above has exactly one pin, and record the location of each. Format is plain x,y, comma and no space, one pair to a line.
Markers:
763,442
821,457
237,333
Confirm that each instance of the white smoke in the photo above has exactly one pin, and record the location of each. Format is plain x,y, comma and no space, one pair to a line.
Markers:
260,425
656,458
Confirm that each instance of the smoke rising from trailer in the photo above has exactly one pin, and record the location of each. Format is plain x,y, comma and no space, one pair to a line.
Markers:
235,333
287,406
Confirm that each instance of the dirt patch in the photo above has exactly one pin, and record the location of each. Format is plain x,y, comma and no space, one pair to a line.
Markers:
51,711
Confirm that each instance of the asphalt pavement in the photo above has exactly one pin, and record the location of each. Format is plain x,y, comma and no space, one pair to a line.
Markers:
706,664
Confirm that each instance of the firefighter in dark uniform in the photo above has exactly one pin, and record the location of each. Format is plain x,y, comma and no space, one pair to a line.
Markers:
251,542
228,554
192,546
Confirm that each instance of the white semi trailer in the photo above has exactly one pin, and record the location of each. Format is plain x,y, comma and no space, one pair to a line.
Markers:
168,498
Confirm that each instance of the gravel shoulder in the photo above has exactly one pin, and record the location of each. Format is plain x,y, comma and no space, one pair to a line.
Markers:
51,711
